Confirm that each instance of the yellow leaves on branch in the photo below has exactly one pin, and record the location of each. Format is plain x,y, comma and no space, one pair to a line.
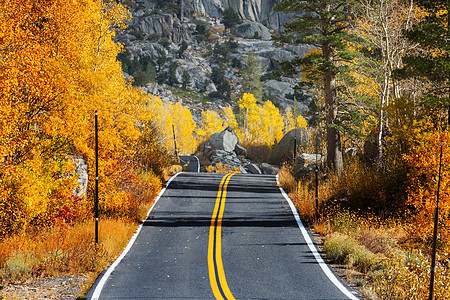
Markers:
263,124
164,115
210,123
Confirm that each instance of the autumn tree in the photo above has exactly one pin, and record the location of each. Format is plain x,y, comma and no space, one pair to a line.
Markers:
230,120
59,65
210,123
379,25
263,124
322,24
432,60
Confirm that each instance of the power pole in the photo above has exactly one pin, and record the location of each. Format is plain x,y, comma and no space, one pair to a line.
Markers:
436,219
175,143
96,179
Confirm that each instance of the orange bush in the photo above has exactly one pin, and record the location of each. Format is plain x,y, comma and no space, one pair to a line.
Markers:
423,161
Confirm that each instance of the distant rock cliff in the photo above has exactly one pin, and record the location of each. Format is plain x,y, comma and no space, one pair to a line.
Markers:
260,11
253,10
157,60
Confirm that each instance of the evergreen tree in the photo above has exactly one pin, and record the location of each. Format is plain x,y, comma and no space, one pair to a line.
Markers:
432,61
222,84
230,18
186,79
183,47
251,76
321,24
172,74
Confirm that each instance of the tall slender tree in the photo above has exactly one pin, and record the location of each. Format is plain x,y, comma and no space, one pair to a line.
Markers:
322,24
379,25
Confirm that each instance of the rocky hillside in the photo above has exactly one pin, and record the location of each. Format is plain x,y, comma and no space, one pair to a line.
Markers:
168,56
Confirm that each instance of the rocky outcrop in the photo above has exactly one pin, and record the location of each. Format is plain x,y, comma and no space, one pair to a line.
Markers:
81,171
306,163
284,150
226,140
252,30
199,71
224,148
163,25
269,169
157,35
253,10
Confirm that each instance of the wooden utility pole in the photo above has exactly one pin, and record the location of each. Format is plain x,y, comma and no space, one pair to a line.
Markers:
96,179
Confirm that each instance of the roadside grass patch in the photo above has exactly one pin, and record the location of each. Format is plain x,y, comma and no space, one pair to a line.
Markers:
287,181
343,249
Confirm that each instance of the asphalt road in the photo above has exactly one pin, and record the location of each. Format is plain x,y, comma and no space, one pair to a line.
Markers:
218,236
190,163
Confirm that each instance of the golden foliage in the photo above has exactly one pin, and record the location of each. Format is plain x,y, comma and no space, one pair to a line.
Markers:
220,168
263,123
58,62
210,123
423,162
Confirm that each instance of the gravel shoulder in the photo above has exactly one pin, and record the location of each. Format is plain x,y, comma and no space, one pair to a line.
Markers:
68,287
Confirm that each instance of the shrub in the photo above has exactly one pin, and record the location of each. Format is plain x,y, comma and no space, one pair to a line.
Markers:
287,181
407,277
164,42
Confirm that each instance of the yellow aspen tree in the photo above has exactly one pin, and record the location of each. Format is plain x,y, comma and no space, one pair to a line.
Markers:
271,124
210,123
230,120
301,122
289,121
248,104
184,128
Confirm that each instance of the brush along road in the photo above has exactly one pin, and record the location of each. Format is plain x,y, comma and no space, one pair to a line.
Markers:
221,236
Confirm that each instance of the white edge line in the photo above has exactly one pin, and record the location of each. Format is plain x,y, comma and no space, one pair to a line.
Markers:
313,249
99,287
198,163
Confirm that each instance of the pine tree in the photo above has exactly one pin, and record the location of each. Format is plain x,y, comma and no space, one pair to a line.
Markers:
432,61
230,18
251,76
321,24
186,80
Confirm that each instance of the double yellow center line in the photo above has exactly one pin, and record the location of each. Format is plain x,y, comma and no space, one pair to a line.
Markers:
215,266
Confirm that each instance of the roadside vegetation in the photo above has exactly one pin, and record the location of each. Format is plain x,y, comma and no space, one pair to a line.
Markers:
384,243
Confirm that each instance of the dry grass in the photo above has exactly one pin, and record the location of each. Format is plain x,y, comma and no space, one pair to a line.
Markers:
342,248
220,168
286,180
170,171
63,249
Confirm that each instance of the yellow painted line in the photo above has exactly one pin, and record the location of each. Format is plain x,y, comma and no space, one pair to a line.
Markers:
215,265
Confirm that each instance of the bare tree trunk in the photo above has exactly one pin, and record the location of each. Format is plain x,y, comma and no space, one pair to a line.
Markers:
182,11
334,148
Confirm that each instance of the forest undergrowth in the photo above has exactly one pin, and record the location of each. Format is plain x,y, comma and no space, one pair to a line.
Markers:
382,250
